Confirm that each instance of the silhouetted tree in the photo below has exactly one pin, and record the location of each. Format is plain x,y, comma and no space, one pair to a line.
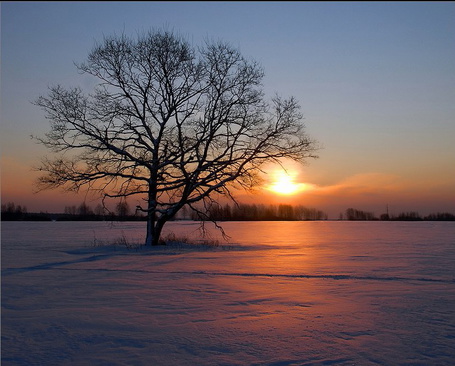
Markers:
84,210
286,212
409,216
260,212
70,210
168,121
305,213
227,213
11,211
353,214
440,216
100,210
122,209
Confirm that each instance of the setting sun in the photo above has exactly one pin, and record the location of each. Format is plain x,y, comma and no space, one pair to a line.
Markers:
284,183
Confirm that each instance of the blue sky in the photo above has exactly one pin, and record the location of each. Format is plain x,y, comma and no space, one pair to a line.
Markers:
376,82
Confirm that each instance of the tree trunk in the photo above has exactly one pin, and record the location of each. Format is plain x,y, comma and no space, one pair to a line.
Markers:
149,239
153,236
154,228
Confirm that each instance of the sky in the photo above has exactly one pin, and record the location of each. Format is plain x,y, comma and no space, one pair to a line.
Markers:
375,80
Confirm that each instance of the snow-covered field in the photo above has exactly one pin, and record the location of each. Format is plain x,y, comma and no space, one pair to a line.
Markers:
279,293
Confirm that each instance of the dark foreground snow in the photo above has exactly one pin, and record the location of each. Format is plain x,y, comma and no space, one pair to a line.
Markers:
311,293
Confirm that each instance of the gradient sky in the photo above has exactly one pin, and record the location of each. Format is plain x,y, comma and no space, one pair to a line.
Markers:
376,82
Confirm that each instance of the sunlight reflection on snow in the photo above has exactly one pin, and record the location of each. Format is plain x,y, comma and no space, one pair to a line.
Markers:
306,293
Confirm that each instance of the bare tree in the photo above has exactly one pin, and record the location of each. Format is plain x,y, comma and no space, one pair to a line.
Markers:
172,123
122,209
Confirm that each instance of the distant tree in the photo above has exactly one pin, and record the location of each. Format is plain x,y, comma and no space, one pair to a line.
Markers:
286,212
171,122
409,216
11,211
227,212
305,213
441,216
70,210
84,210
260,212
99,210
184,214
354,214
122,209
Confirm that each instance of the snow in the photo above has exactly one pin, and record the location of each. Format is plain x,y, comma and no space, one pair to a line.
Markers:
279,293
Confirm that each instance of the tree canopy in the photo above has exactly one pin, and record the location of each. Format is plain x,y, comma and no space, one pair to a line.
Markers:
169,122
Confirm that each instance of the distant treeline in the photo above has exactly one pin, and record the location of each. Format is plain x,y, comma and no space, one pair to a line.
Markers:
83,212
237,212
240,212
259,212
353,214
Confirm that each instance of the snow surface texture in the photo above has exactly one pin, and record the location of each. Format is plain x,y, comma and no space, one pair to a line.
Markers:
279,293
